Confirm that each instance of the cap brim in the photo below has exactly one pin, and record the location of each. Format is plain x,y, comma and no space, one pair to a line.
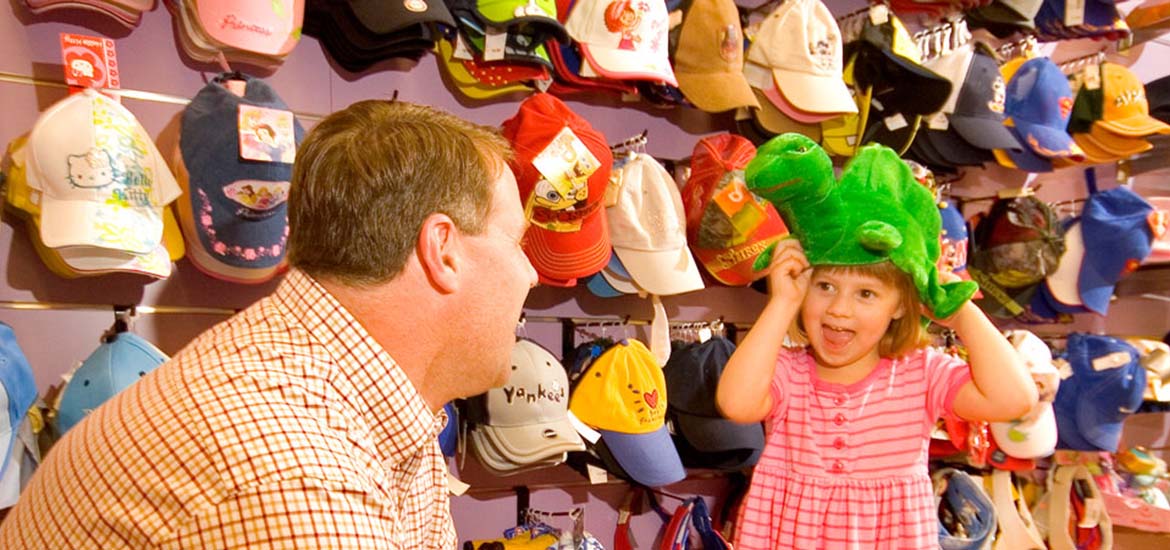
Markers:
1048,142
66,223
718,434
601,288
1062,284
535,442
815,93
716,92
984,133
662,272
1136,126
1024,159
649,458
1033,437
776,96
953,147
621,65
1115,144
772,120
568,256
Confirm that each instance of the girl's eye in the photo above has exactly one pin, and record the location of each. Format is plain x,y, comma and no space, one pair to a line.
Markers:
867,294
824,286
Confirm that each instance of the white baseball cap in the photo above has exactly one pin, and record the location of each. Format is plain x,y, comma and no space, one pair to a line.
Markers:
801,44
102,180
1034,434
527,420
623,39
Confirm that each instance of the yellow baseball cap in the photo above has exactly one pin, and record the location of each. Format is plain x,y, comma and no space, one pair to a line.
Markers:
622,395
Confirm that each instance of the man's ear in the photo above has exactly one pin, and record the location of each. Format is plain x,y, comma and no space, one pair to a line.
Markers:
439,252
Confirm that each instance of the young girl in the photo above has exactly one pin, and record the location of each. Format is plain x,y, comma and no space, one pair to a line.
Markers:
845,464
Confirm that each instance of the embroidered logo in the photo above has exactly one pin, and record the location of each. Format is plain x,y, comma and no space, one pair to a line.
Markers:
230,21
1066,105
730,43
822,52
998,95
1129,97
416,6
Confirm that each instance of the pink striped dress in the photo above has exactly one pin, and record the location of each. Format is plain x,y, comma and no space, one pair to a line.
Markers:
845,466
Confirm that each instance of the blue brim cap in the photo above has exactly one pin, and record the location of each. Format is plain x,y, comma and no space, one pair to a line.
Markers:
1117,237
1100,394
1024,158
649,458
449,437
601,288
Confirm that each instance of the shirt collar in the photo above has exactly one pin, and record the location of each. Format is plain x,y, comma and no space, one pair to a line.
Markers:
367,377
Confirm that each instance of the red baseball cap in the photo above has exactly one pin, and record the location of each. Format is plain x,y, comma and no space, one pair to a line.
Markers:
728,226
562,166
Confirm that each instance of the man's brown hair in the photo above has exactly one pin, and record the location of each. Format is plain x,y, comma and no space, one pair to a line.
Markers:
367,177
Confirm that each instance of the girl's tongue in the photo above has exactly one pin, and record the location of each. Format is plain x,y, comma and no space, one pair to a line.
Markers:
835,337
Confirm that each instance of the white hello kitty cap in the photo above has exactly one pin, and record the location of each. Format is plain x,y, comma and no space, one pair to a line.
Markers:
101,180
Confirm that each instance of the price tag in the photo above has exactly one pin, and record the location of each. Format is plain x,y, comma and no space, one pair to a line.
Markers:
879,14
587,433
1074,12
597,475
895,122
455,485
89,62
495,40
461,49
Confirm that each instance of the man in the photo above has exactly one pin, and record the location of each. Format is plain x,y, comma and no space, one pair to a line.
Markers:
309,419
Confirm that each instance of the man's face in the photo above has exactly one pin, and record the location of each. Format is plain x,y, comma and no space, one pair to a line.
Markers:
498,279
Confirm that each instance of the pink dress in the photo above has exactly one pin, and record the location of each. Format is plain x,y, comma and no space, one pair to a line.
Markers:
845,466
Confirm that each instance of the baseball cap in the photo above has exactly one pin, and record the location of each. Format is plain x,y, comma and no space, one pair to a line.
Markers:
1105,387
18,392
692,376
234,217
952,66
648,229
1034,434
111,368
1039,102
268,28
622,394
951,146
526,418
1126,111
728,226
126,12
77,261
1109,240
102,181
889,61
1102,139
708,62
1018,242
449,436
966,515
466,83
569,236
623,39
800,43
979,107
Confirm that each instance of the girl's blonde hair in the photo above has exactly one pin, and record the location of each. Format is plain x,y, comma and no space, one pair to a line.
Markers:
905,333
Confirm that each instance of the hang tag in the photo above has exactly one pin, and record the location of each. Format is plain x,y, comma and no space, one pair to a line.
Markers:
1112,361
587,433
704,334
938,121
895,122
495,40
1063,367
542,84
266,134
659,332
567,164
456,486
879,14
676,18
1094,508
1092,77
614,188
597,475
461,49
757,75
1074,13
89,62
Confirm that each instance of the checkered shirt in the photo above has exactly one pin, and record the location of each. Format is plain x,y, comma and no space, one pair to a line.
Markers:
286,426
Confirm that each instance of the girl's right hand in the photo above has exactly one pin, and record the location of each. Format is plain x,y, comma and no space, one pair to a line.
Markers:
789,274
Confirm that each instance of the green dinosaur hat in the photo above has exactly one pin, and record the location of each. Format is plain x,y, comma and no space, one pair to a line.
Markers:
877,212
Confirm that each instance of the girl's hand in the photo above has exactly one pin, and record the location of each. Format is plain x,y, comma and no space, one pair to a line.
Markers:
789,274
945,277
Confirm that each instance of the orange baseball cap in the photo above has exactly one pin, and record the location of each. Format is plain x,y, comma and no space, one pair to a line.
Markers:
1126,110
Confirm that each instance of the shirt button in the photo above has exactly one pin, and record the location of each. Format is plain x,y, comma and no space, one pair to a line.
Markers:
838,466
839,400
839,443
839,419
